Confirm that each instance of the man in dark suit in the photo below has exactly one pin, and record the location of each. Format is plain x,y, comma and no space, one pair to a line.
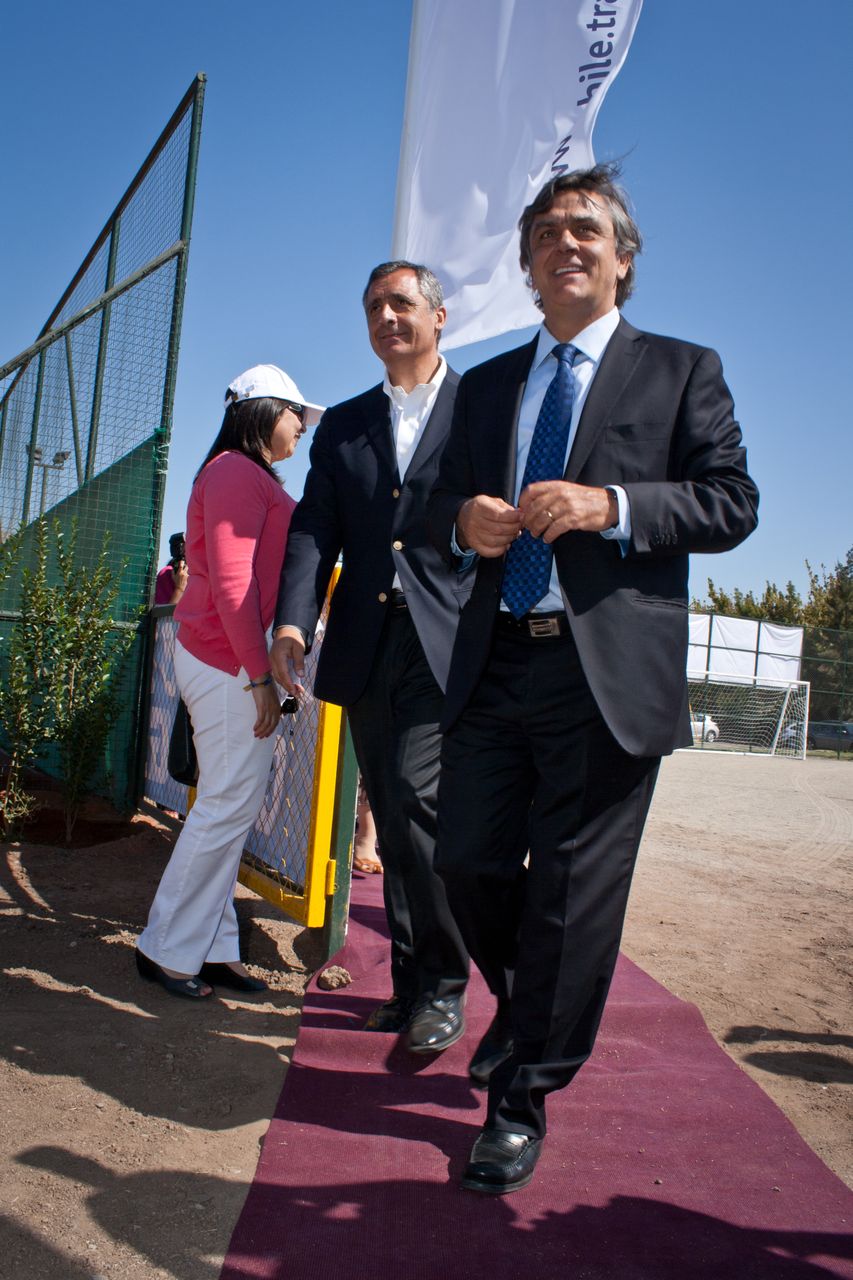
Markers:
389,637
580,472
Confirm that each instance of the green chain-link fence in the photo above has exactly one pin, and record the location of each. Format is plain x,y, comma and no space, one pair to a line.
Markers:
828,666
86,411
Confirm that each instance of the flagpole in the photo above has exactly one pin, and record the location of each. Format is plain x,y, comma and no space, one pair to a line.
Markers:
403,197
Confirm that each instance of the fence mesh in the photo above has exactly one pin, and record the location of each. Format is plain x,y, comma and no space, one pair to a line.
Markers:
828,666
86,412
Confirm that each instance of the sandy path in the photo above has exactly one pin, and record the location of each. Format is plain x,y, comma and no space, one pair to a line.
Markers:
131,1122
742,904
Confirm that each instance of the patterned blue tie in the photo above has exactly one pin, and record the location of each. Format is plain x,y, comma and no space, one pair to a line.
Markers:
528,562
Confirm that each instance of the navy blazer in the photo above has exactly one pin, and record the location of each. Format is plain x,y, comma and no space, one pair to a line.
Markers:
658,420
355,503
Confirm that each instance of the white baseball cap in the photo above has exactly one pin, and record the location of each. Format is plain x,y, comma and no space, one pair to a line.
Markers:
268,380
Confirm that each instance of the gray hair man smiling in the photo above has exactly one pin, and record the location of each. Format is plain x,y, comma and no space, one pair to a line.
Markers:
580,471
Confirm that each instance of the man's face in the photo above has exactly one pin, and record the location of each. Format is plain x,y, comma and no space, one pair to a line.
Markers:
400,321
574,266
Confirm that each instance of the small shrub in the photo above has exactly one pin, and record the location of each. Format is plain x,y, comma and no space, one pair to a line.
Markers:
88,655
24,706
65,656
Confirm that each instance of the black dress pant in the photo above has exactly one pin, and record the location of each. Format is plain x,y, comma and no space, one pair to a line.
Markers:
394,728
531,766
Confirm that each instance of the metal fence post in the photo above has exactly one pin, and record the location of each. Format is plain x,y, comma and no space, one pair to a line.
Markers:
72,398
100,366
34,430
162,434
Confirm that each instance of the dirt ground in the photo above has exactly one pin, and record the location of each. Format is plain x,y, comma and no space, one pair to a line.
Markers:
131,1122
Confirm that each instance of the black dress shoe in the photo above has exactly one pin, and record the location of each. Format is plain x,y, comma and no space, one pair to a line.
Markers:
189,988
436,1024
494,1048
222,975
501,1162
393,1016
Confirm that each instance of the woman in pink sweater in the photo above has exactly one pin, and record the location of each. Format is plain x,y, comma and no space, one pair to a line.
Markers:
237,523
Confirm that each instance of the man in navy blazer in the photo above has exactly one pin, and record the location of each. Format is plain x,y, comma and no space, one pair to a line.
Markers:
387,646
568,683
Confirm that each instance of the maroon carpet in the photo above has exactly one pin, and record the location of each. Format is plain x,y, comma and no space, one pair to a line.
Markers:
663,1160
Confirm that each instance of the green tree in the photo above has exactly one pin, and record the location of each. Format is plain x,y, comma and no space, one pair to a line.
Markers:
830,602
826,615
828,644
773,605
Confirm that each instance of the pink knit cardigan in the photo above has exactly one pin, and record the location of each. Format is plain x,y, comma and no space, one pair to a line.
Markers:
237,522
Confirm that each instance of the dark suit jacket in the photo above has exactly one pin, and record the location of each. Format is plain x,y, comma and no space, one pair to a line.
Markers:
658,420
355,502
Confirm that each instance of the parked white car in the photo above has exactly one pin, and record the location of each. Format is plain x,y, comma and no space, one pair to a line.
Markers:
704,729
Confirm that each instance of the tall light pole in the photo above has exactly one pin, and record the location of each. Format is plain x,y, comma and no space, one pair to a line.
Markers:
59,460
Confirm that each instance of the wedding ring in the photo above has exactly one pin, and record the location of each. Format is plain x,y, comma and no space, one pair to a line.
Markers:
548,514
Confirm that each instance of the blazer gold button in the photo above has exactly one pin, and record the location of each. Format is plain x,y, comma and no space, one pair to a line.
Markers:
395,493
382,597
397,545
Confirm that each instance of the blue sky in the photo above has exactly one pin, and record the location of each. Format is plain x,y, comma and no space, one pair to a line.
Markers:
733,122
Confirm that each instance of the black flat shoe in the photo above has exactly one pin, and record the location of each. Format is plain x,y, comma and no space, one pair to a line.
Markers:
222,975
494,1048
436,1024
501,1162
189,988
391,1017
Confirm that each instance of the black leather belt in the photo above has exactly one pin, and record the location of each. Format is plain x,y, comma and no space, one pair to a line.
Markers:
397,599
536,626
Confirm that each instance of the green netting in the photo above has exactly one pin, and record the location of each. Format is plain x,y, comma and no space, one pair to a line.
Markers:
86,411
828,665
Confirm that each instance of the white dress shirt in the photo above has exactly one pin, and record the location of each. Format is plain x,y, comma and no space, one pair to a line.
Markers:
409,413
590,343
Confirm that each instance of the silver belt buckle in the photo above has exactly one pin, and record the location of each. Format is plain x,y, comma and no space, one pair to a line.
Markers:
544,626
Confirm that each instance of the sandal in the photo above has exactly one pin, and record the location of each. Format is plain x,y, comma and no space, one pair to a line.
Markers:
367,866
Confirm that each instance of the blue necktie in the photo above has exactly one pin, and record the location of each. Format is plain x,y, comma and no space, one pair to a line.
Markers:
528,562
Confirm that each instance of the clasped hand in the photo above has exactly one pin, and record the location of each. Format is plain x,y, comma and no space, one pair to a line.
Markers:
547,508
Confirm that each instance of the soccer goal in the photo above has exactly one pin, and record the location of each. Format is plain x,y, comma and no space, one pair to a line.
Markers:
752,715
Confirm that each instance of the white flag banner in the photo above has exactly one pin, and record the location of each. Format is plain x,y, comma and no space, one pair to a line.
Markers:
501,96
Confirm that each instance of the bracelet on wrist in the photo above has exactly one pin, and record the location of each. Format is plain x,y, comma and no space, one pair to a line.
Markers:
258,684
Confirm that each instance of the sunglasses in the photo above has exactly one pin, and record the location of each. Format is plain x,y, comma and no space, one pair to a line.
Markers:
297,409
289,706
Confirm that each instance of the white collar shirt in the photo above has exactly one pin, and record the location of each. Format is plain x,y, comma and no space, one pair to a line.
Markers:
590,343
409,413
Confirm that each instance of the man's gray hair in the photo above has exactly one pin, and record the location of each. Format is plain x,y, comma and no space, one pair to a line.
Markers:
428,284
601,181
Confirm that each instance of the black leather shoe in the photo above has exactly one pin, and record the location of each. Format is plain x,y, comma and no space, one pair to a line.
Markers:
393,1016
222,975
501,1162
494,1048
436,1024
189,988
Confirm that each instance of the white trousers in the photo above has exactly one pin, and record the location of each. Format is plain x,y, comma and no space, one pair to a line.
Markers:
192,917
